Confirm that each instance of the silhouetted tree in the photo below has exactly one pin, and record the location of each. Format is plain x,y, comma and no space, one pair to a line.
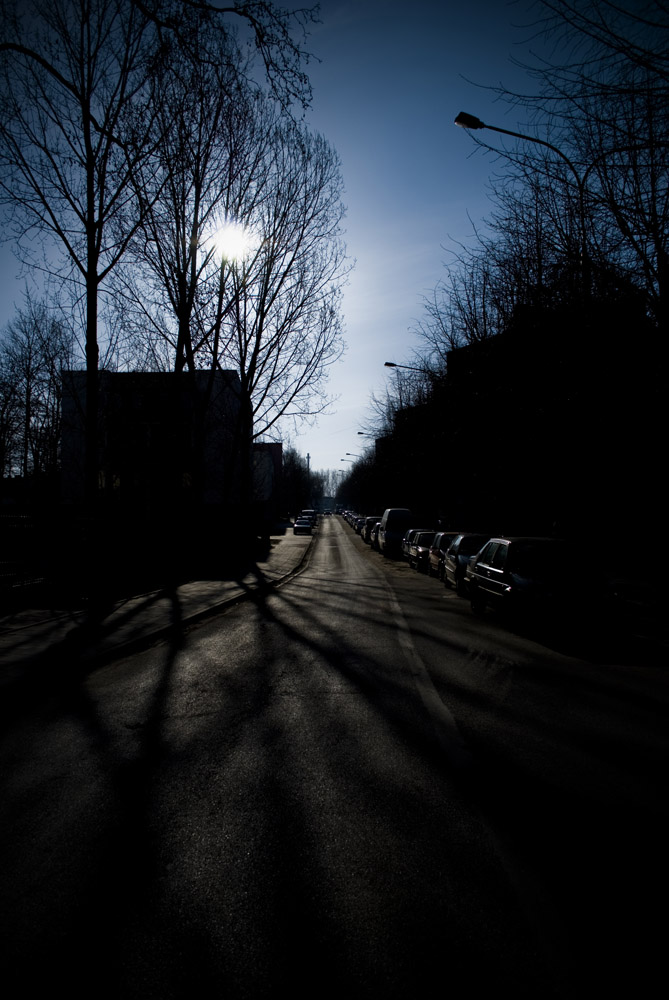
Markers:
35,348
76,107
278,320
296,486
79,104
205,151
603,94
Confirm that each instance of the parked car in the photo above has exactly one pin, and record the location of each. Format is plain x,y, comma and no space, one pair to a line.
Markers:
419,550
311,515
520,574
395,522
460,552
374,536
435,559
366,530
302,526
408,539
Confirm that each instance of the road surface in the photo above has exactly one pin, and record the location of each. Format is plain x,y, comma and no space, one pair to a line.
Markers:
348,787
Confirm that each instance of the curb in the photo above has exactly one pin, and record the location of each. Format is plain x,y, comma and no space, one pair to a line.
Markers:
78,646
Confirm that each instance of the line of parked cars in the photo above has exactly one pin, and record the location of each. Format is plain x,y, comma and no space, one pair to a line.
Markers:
525,573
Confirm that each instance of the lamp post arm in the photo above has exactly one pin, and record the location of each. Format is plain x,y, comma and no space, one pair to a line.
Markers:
541,142
468,121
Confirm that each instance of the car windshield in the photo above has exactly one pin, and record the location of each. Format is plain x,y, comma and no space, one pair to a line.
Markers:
536,560
425,538
470,544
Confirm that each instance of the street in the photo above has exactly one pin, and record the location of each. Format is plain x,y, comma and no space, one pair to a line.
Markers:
350,786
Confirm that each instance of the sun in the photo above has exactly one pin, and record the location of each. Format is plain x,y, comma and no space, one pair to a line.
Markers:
234,241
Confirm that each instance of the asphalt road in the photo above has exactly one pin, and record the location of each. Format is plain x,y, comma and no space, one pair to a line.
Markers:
347,787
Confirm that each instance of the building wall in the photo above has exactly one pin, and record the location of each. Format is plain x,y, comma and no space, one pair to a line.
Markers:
166,440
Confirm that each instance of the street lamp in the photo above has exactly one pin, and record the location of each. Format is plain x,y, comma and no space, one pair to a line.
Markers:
465,120
352,453
393,364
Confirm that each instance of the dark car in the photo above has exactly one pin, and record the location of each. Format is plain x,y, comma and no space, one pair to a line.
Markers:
366,530
461,551
435,559
526,575
374,536
419,550
408,539
395,523
302,526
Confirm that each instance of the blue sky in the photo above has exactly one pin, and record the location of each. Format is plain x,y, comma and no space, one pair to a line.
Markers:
391,78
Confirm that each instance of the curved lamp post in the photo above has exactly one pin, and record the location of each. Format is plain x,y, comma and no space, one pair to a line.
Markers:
465,120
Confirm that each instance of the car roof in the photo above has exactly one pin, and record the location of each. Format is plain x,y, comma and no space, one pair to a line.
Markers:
524,538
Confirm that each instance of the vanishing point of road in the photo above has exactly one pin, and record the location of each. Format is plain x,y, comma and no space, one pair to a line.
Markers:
346,787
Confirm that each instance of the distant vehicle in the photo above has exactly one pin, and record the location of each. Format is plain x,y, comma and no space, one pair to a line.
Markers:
435,559
395,522
312,515
302,526
419,550
463,548
520,574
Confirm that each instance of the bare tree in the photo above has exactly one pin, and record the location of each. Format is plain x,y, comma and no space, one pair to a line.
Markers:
79,102
34,351
603,93
278,318
10,419
276,35
605,39
205,151
77,105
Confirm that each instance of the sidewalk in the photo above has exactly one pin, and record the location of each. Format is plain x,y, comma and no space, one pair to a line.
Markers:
138,621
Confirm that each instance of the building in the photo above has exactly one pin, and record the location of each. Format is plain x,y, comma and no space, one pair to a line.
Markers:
174,468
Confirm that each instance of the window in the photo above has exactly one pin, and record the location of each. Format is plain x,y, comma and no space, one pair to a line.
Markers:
488,553
499,558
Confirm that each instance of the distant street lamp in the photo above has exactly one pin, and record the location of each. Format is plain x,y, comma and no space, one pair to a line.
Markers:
345,460
353,454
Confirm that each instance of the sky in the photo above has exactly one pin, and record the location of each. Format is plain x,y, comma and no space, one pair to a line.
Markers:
390,79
